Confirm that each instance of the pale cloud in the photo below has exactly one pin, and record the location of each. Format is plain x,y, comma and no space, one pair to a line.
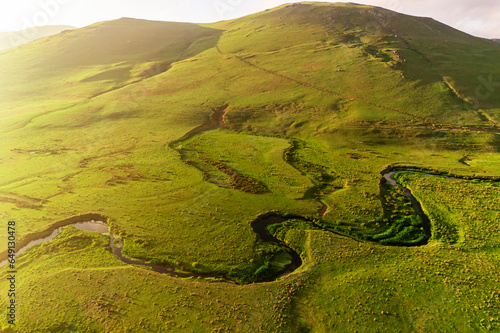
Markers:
476,17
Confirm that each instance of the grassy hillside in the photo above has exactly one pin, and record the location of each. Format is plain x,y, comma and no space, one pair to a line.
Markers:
77,65
183,134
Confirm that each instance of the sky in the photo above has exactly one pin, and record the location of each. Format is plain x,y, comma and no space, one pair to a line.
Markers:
477,17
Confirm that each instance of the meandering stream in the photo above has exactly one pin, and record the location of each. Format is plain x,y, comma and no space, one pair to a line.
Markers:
116,245
259,226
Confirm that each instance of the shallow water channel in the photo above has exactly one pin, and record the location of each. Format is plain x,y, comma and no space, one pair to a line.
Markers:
426,223
116,244
96,226
260,227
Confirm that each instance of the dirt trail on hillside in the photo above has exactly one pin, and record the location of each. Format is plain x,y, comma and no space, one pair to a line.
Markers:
217,119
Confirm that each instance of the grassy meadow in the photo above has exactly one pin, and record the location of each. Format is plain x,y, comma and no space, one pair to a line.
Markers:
319,99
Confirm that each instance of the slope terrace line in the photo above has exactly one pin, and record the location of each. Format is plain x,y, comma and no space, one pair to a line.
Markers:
445,81
20,203
25,123
318,88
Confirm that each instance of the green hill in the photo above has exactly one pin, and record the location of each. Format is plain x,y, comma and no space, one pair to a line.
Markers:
79,64
182,135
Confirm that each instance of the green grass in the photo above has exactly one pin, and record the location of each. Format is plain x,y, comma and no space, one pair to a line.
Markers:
318,106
